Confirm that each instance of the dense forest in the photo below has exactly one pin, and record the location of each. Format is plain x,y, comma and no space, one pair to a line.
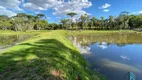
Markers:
23,22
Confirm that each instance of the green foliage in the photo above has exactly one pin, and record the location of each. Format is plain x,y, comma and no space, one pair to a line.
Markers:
41,16
24,22
135,21
53,26
84,19
71,14
64,23
41,25
5,25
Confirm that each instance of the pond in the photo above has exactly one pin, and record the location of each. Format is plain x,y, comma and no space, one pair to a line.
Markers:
112,54
7,41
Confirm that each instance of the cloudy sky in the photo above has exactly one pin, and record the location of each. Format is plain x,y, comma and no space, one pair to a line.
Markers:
56,9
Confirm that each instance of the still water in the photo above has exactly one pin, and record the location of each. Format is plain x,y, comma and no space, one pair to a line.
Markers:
7,41
112,54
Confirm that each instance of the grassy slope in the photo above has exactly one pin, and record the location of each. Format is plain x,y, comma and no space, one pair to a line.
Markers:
9,32
47,56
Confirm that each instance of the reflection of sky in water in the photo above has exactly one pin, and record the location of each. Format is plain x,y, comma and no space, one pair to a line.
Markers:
120,66
125,57
113,61
103,45
82,49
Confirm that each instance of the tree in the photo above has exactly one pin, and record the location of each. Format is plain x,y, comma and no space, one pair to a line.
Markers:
5,25
40,22
64,23
41,16
125,19
93,21
84,19
111,20
4,17
87,21
41,25
23,22
102,22
106,24
30,22
5,22
72,14
53,26
135,22
19,22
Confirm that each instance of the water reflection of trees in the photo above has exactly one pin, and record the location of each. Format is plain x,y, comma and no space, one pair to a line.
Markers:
83,49
6,40
121,39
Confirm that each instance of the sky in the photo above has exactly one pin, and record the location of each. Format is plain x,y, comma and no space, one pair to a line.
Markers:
57,9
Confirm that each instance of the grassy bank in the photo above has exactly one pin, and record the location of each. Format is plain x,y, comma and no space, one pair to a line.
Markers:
47,56
9,32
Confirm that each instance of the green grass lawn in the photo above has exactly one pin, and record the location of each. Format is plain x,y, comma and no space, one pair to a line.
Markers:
46,56
9,32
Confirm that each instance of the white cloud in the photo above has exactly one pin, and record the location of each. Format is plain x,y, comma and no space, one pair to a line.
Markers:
58,17
37,12
4,11
1,7
102,46
134,12
106,5
41,4
85,49
60,7
138,12
12,4
104,43
106,10
48,17
125,57
22,1
32,6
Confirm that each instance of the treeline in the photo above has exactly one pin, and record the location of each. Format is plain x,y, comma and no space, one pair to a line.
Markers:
122,22
23,22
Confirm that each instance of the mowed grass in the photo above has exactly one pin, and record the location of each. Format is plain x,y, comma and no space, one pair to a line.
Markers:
9,32
46,56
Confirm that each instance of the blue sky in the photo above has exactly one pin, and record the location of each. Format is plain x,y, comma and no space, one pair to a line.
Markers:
56,9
